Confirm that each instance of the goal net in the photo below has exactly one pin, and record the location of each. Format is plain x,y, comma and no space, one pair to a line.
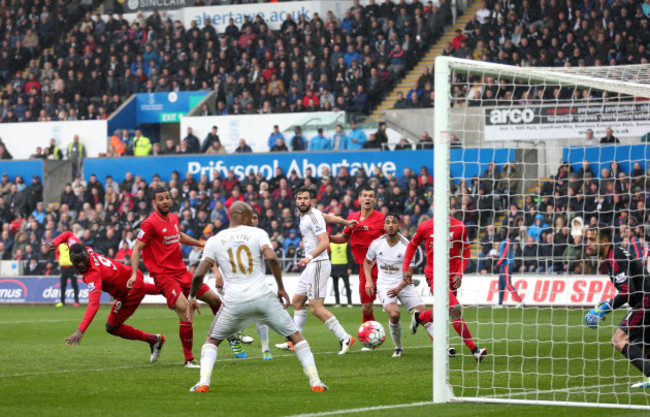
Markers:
530,158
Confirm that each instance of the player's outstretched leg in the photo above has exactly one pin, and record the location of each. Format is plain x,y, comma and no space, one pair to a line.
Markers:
634,352
395,328
263,332
316,305
208,358
306,358
186,334
237,348
461,328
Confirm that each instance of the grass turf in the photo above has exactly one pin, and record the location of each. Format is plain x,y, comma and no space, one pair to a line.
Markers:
534,354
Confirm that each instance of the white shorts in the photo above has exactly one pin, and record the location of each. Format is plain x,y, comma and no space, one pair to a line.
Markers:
408,297
233,318
313,280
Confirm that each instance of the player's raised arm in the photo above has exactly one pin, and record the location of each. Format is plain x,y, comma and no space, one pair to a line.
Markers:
135,262
187,240
63,237
339,220
197,280
93,306
418,238
276,270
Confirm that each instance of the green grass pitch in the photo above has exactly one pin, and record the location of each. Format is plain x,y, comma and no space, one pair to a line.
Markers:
109,376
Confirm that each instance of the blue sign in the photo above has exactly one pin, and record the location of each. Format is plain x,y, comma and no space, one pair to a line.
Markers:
465,163
25,169
166,107
602,156
40,290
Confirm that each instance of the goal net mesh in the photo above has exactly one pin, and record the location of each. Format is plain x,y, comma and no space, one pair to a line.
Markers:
536,156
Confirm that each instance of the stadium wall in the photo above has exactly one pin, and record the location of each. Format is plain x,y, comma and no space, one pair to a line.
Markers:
23,138
602,156
466,163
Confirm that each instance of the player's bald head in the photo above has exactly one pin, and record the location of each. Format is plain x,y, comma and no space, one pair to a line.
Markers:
241,213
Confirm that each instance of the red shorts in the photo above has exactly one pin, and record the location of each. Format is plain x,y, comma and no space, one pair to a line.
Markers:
452,293
172,287
365,298
125,307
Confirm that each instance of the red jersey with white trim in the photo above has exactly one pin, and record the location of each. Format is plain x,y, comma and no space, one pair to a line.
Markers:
162,254
362,235
103,274
459,251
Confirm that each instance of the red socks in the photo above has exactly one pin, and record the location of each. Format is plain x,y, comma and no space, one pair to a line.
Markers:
127,332
461,328
186,333
426,316
368,316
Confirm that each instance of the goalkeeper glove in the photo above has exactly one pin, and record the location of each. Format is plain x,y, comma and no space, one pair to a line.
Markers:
597,314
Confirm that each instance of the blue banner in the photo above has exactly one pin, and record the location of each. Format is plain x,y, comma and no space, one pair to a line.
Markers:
25,169
600,157
465,163
40,290
165,107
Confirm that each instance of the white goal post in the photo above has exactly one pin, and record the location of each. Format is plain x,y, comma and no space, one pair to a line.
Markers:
454,380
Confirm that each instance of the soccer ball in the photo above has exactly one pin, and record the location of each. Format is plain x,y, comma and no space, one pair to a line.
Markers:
371,334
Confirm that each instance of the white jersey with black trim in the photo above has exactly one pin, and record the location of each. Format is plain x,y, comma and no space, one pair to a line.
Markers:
238,252
389,259
312,224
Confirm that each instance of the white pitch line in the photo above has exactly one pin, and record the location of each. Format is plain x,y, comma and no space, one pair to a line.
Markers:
362,409
117,368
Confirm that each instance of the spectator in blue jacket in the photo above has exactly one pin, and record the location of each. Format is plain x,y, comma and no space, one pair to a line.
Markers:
356,138
298,142
535,230
339,139
292,240
319,142
274,136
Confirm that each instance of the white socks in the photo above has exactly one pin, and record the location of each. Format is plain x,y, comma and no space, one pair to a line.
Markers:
300,317
306,358
263,331
333,324
429,327
396,333
208,358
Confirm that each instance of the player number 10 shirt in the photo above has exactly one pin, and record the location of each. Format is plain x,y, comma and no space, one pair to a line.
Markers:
238,252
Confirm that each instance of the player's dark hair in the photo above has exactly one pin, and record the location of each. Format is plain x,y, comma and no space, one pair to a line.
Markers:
304,190
159,189
365,187
393,214
603,230
78,252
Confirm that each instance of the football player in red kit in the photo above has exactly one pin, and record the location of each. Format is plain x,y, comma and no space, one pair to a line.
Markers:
459,254
159,242
102,274
370,225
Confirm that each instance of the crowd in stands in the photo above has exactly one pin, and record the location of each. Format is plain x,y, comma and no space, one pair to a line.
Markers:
82,67
548,227
546,33
106,214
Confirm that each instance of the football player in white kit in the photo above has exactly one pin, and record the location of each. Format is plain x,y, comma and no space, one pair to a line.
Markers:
262,329
388,251
312,285
248,298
